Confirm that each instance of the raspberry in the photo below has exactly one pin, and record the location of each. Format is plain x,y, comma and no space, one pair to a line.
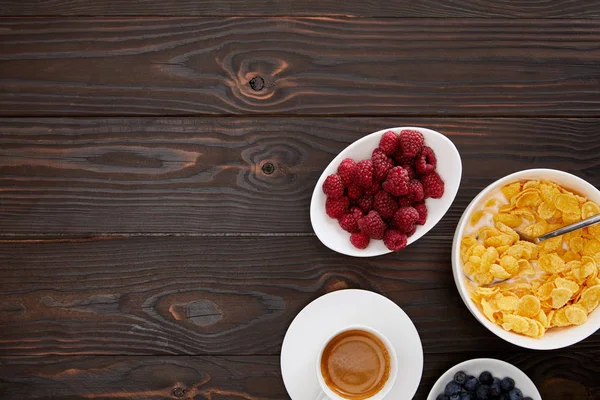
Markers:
355,192
410,170
373,189
335,208
405,201
388,143
381,164
402,159
333,187
357,212
426,161
365,203
394,239
422,210
405,218
396,182
346,171
412,231
384,204
360,240
433,185
372,225
416,190
364,173
411,142
349,222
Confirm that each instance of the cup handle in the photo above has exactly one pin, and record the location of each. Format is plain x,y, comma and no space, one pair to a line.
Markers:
322,396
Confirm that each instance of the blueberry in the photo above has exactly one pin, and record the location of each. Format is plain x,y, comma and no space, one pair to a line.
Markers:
527,398
442,397
455,397
467,396
482,392
471,384
502,396
486,378
460,377
515,394
452,388
507,384
495,389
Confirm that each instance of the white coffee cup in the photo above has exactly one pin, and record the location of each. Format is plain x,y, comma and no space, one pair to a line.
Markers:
328,394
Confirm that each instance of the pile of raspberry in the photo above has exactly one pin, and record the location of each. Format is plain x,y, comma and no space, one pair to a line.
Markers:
384,197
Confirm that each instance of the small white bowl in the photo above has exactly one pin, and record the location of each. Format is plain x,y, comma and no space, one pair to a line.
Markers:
499,369
449,167
554,338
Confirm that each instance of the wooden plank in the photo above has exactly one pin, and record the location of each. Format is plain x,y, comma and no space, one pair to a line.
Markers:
174,175
325,66
392,8
559,375
211,295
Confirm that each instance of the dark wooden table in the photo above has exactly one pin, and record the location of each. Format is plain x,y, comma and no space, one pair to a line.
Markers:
157,160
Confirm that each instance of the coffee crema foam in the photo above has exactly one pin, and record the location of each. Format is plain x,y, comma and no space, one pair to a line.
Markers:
355,364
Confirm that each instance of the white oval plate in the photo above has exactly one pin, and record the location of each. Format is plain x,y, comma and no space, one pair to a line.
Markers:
449,167
499,369
337,310
555,338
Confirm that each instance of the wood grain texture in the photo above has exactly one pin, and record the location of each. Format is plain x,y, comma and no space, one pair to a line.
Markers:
171,175
322,65
392,8
212,295
559,375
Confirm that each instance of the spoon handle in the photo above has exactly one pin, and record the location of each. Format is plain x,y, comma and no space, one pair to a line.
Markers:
570,228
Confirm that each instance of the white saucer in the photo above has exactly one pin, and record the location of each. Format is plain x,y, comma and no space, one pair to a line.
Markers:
334,311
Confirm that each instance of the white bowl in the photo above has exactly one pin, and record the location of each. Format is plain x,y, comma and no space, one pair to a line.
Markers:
449,167
499,369
554,338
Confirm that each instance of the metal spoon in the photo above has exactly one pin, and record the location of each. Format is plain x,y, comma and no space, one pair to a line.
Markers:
560,231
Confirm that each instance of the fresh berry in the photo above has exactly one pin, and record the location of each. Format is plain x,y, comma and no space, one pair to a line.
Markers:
360,240
372,225
527,398
452,388
411,232
394,239
411,142
426,161
442,397
455,397
402,159
482,392
460,377
355,192
365,203
466,396
495,389
471,384
396,182
364,173
381,164
405,219
515,394
507,384
356,211
405,201
349,222
346,171
384,204
373,189
410,170
336,208
422,210
486,378
415,190
433,185
389,142
333,187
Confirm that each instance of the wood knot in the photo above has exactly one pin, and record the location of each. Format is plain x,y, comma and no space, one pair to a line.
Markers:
268,168
178,392
257,83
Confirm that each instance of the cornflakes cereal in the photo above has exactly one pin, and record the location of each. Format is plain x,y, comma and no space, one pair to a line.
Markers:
555,283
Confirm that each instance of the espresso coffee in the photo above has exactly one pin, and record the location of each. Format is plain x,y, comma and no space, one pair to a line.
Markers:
355,364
